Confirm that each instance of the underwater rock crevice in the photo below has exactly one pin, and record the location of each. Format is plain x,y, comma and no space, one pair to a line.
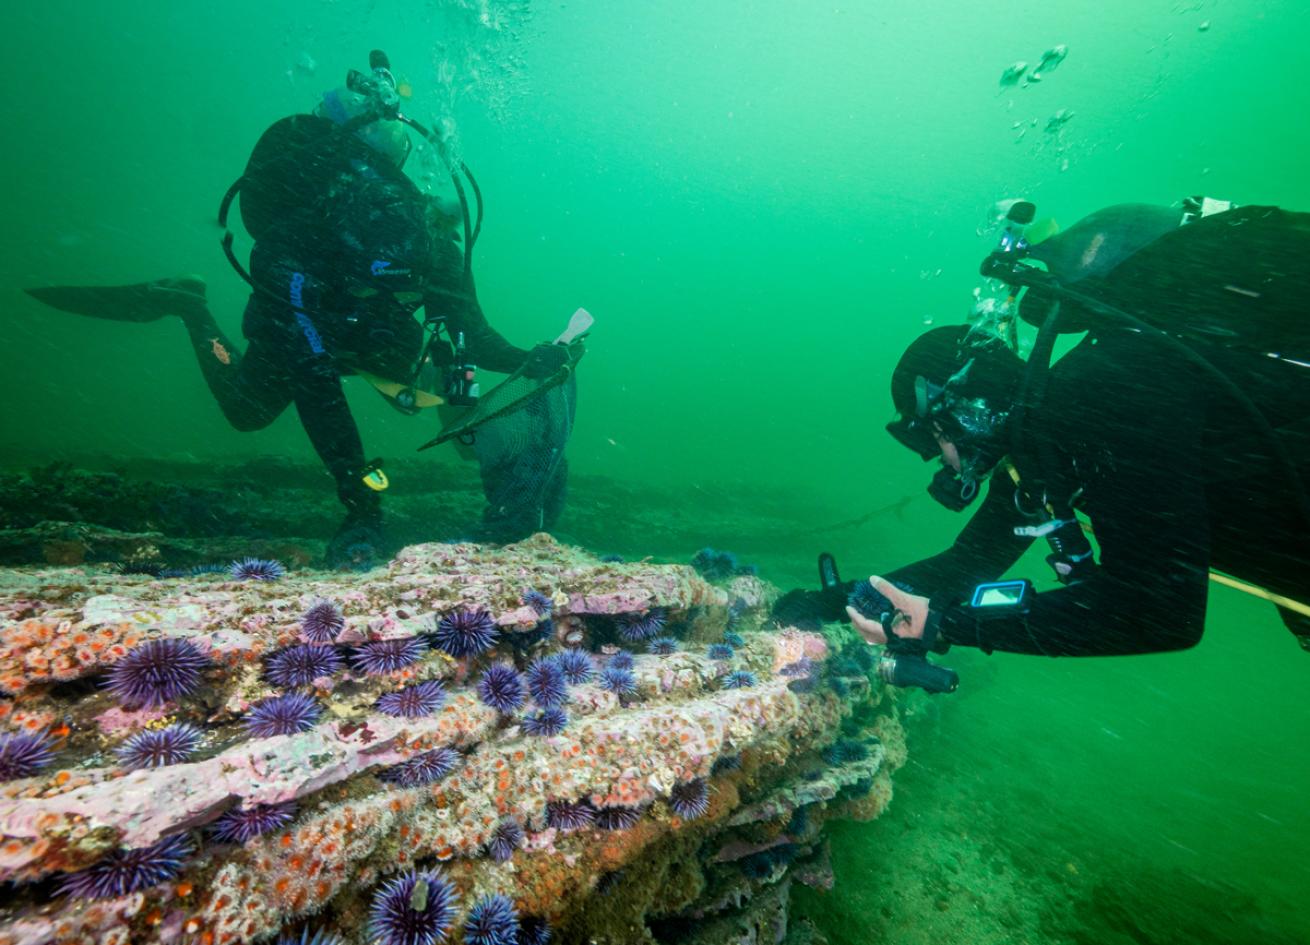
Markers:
696,756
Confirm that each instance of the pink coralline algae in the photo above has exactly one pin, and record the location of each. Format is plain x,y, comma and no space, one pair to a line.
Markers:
239,810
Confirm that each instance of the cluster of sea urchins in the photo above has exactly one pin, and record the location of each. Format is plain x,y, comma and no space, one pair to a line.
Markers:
162,671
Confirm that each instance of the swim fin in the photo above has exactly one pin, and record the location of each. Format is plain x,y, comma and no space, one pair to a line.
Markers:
143,302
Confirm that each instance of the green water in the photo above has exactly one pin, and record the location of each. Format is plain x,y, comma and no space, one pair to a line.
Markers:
761,203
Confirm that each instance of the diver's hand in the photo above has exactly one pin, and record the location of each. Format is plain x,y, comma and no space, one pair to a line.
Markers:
910,620
547,358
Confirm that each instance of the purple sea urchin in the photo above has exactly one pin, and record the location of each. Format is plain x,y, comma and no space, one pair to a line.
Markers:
719,651
245,823
662,646
804,684
620,660
299,665
577,666
546,683
415,908
466,632
24,754
801,667
566,816
157,672
542,605
501,688
379,657
315,937
423,768
637,627
256,569
505,839
322,622
734,639
545,724
413,702
128,871
283,715
739,679
617,818
493,920
690,799
621,682
726,763
534,931
157,747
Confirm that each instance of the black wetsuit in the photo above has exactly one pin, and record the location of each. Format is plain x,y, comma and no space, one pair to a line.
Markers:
290,361
1175,481
304,326
1176,478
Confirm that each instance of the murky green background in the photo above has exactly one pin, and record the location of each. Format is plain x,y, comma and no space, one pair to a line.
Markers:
761,203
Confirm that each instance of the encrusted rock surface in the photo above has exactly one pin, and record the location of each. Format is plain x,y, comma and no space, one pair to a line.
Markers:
772,748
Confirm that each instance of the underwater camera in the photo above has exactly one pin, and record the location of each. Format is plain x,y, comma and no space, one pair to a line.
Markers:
903,663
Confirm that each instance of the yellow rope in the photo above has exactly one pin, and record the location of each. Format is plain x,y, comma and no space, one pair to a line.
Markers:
1279,599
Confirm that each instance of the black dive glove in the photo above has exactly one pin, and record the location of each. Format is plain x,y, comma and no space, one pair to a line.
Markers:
547,358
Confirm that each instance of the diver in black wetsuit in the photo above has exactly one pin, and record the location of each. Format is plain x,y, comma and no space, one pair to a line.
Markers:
1167,463
347,249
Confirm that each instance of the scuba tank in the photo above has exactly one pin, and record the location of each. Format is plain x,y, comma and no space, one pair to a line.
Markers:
1139,292
1158,265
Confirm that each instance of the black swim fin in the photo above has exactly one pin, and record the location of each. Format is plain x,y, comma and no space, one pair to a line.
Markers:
143,302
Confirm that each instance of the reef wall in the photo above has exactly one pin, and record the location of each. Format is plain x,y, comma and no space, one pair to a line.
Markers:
503,745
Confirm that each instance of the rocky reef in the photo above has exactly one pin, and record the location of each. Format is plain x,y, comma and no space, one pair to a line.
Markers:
486,745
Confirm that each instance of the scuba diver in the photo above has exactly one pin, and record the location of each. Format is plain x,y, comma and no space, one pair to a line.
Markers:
1178,428
346,251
